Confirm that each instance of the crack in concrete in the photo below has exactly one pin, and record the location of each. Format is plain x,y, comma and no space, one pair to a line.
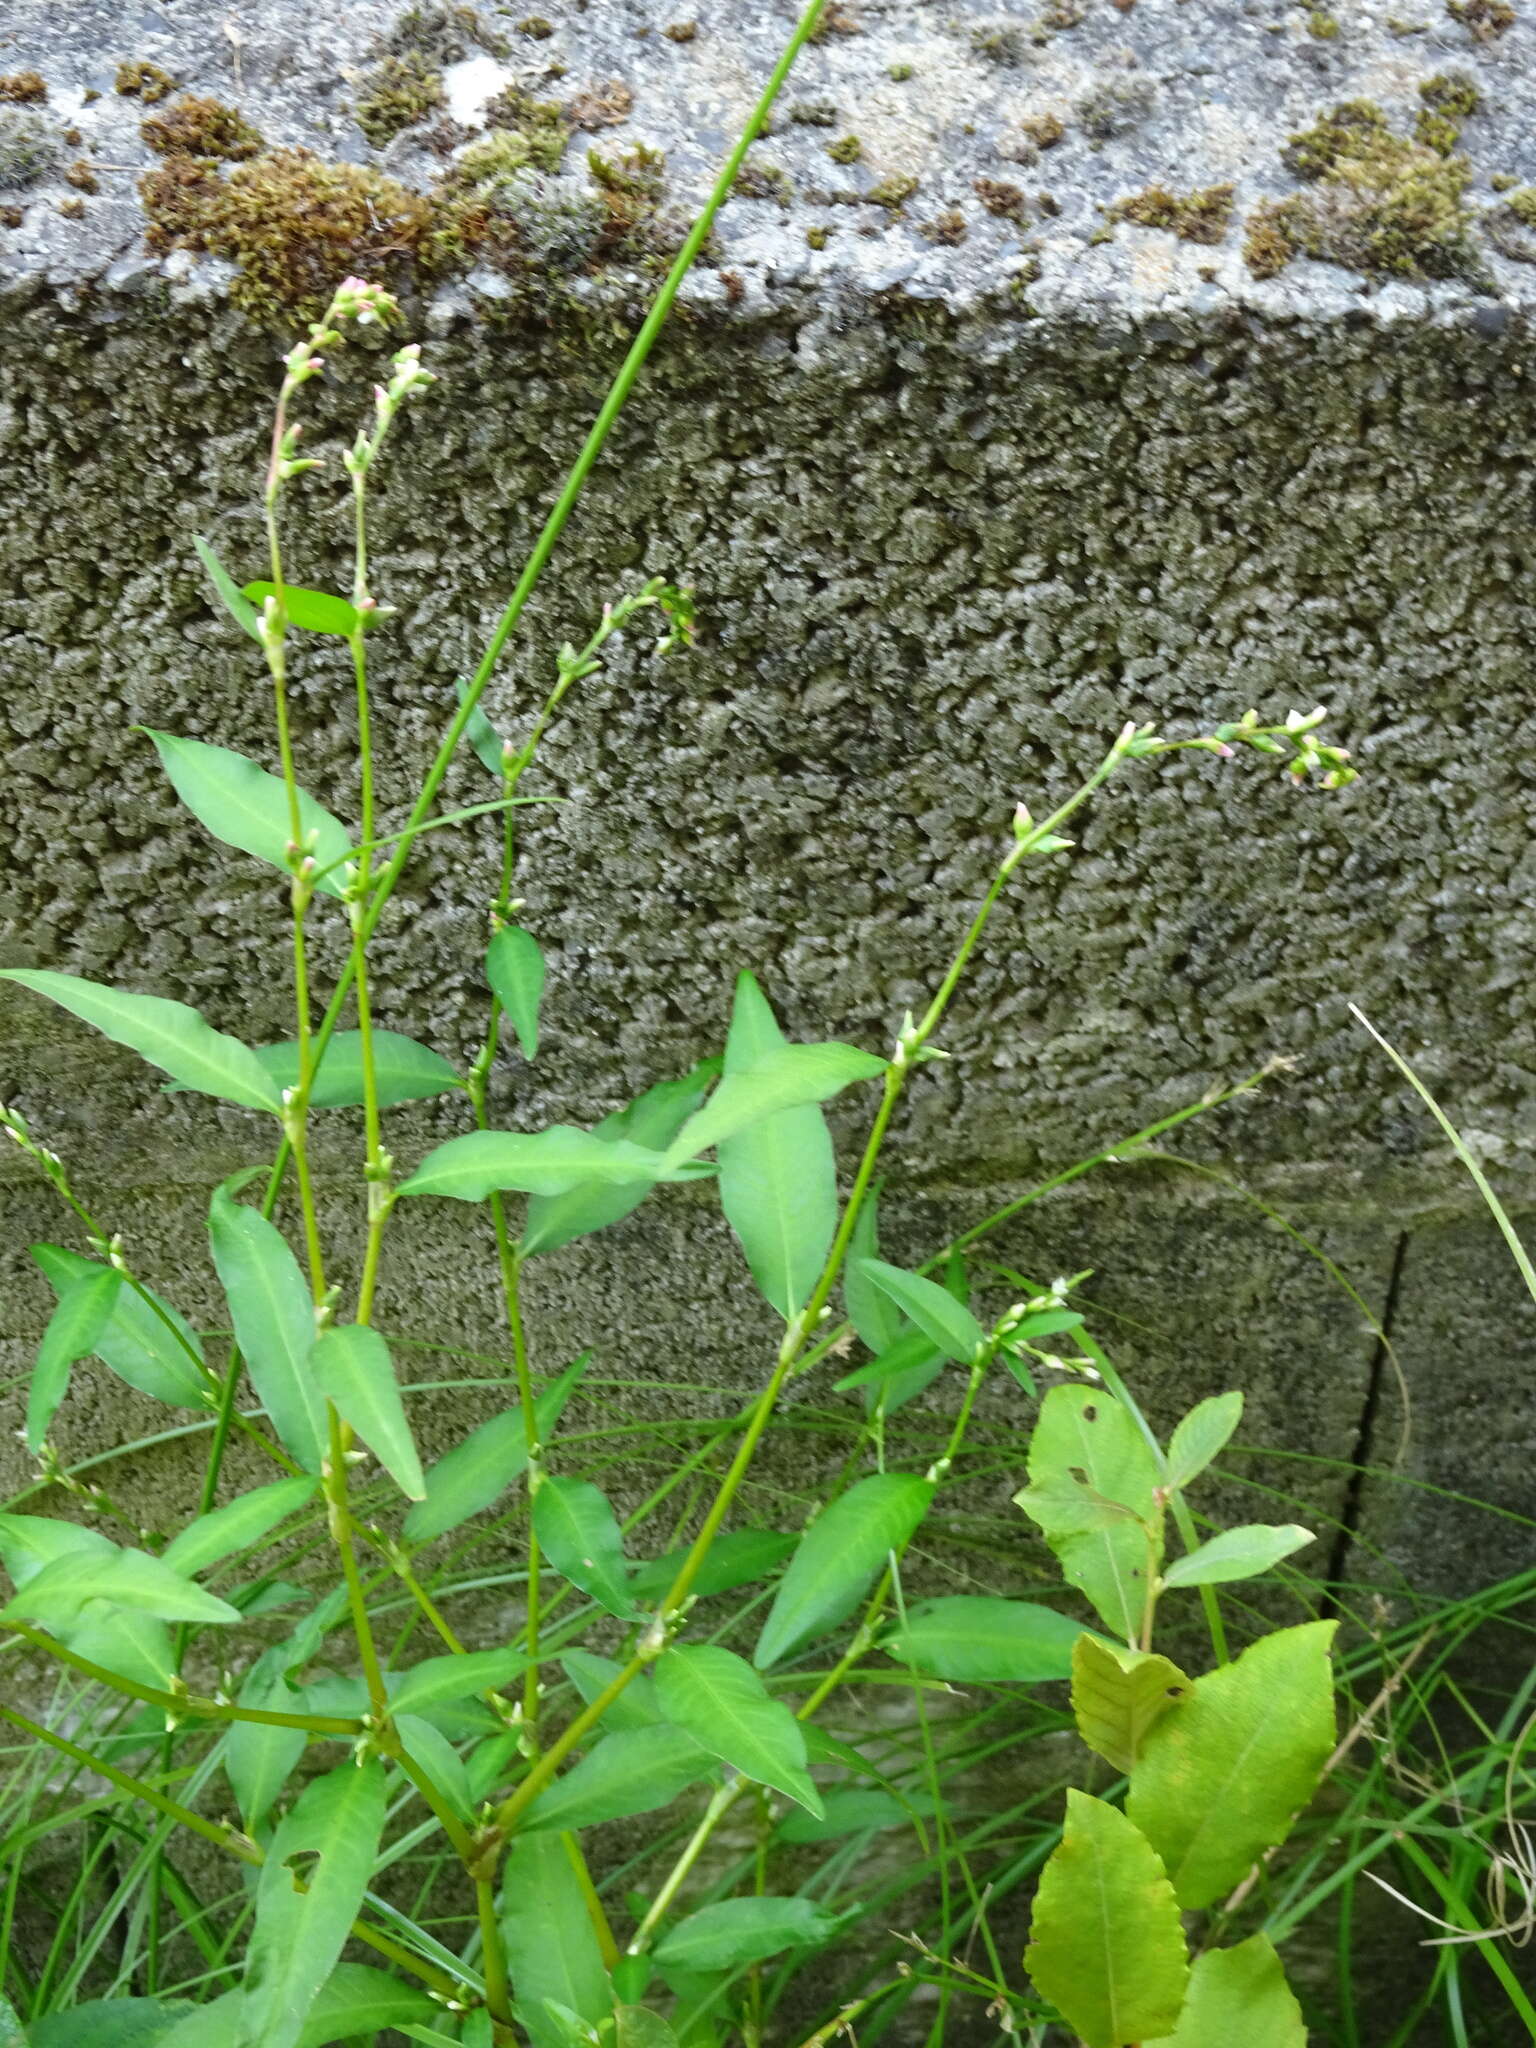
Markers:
1365,1433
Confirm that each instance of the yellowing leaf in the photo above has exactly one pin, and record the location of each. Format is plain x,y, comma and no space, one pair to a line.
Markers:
1106,1945
1117,1695
1238,1996
1092,1475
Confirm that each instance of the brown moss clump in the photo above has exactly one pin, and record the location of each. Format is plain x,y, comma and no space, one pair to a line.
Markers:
947,228
294,224
1000,198
681,31
601,106
536,27
1201,216
82,177
1486,19
443,35
1044,130
1512,227
146,82
203,128
23,88
540,125
1382,203
398,93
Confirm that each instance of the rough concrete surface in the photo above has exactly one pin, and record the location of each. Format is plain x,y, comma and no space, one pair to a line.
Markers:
965,472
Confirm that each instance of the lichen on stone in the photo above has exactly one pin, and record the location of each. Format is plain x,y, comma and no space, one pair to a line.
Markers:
1384,204
29,149
1115,106
1198,216
201,127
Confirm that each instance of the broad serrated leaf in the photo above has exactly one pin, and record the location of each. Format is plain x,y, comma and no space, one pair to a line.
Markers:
738,1558
313,611
144,1341
1106,1946
238,1524
984,1640
129,1579
436,1679
403,1071
247,807
725,1706
330,1840
352,1369
514,967
478,1471
1118,1694
652,1121
838,1559
546,1162
737,1931
1238,1998
1223,1779
634,1770
274,1322
1087,1450
778,1176
485,741
1241,1553
1201,1436
74,1329
170,1035
943,1320
781,1079
232,597
579,1534
552,1950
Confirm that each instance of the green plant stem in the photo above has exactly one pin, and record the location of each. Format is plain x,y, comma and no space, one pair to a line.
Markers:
498,1988
719,1806
340,1521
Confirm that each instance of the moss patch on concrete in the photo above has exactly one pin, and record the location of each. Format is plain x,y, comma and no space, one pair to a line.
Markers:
1202,216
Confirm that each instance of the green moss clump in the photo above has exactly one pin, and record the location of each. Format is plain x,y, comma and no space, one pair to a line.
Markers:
759,180
541,125
29,149
397,93
205,128
294,224
1115,106
536,27
1000,42
1385,204
1486,19
846,150
23,88
443,35
1450,98
818,237
1322,25
821,113
1522,204
893,191
146,82
899,72
1201,216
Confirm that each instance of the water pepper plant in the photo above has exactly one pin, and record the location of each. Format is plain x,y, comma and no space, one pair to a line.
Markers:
416,1799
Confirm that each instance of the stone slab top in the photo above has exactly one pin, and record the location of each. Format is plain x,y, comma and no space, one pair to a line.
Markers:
1085,157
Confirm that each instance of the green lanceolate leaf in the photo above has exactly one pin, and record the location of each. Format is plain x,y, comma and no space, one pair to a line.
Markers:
1086,1451
329,1841
247,807
899,1374
274,1322
737,1931
352,1369
778,1175
548,1162
237,1525
1203,1435
1106,1946
234,601
357,2000
738,1558
144,1341
514,967
592,1675
875,1317
634,1770
259,1760
478,1471
838,1558
125,1640
781,1079
1117,1695
983,1640
652,1121
1223,1779
171,1036
102,2023
29,1542
1238,1996
313,611
435,1756
437,1679
1238,1554
124,1579
579,1534
74,1330
725,1706
483,738
403,1071
944,1321
852,1810
552,1950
